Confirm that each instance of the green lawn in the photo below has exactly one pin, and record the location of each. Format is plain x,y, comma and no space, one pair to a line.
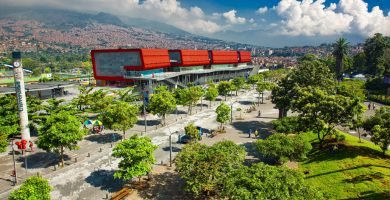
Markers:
354,171
11,80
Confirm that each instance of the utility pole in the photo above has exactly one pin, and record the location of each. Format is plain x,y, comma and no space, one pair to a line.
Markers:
170,150
21,95
145,115
13,158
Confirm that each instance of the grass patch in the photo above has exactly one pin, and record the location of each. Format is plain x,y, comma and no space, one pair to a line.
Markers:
353,171
11,80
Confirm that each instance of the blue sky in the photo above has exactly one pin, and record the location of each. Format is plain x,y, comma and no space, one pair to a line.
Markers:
263,22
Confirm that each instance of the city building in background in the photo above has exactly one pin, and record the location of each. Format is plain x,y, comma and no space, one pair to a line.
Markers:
148,68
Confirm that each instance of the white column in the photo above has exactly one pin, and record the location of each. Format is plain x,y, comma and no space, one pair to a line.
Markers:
21,99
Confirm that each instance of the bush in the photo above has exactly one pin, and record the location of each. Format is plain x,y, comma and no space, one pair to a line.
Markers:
286,125
33,188
283,148
380,98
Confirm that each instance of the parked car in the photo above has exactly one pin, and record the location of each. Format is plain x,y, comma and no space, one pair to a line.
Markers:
184,139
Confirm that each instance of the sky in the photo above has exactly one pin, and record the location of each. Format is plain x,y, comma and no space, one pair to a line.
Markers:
310,20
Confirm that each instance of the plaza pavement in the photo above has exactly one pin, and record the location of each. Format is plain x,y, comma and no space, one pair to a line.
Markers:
91,175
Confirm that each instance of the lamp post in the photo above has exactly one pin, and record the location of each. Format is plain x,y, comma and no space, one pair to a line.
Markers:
13,158
231,111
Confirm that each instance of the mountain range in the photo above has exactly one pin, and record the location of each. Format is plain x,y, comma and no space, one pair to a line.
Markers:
56,28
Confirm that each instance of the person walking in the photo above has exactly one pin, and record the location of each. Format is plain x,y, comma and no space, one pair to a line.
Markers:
256,133
31,146
373,106
369,106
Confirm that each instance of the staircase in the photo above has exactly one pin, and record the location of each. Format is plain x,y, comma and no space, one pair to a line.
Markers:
173,83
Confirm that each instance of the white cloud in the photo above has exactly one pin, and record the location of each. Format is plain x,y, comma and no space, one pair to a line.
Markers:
262,10
310,18
251,20
231,17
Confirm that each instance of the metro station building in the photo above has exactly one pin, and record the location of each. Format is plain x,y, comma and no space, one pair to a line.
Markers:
174,68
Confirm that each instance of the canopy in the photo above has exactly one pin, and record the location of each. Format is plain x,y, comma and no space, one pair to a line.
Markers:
88,122
97,123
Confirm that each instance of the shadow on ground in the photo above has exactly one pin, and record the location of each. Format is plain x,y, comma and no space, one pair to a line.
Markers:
174,149
41,160
371,195
104,180
165,186
104,138
365,177
343,152
264,128
153,122
246,103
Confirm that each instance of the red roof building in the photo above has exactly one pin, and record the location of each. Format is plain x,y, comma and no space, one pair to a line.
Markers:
224,57
189,57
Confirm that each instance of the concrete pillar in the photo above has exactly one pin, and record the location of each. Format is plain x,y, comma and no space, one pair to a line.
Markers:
21,95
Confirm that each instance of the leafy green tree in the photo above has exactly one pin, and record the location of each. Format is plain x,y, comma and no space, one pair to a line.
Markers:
378,126
162,103
283,148
359,63
238,83
33,188
211,93
307,73
287,125
340,52
127,94
261,181
192,131
61,130
253,79
120,116
374,49
353,89
137,157
190,96
275,75
321,112
4,132
205,169
224,87
262,87
223,113
84,99
100,101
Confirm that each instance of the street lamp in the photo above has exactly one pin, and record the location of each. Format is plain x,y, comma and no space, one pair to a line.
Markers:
231,111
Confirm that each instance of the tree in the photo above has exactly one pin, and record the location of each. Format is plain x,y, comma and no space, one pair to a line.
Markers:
353,89
33,188
224,87
253,79
192,131
307,73
84,98
193,94
205,169
61,130
359,63
121,116
99,101
320,111
260,181
127,94
162,103
340,52
238,83
262,87
287,125
211,93
137,157
374,49
283,148
223,113
378,126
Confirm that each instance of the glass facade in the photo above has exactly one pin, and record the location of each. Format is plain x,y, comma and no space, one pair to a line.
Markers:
112,63
146,73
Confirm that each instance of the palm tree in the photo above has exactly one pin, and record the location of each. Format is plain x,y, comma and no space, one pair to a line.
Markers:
340,51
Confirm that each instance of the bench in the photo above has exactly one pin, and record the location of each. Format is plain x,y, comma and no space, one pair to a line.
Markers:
121,194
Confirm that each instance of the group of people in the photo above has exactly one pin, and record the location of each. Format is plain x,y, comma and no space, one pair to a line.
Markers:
373,106
98,129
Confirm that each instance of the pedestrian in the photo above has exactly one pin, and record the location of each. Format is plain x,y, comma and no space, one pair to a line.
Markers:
259,114
373,106
369,106
256,133
31,146
250,133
